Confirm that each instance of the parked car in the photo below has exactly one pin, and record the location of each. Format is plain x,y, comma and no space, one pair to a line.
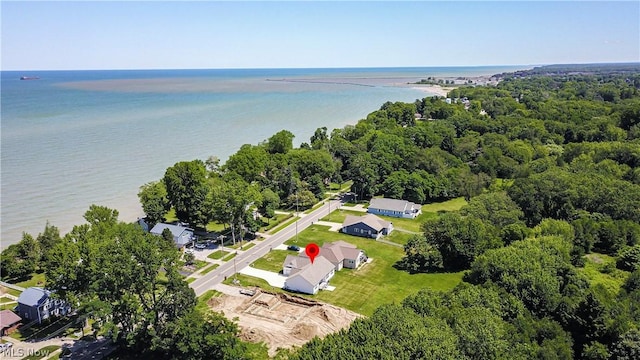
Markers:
293,248
201,246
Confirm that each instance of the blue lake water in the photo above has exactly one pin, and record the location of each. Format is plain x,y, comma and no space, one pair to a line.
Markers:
75,138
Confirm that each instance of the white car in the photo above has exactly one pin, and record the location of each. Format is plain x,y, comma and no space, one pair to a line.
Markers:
200,246
5,346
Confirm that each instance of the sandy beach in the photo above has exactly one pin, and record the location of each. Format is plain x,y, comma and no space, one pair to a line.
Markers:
434,89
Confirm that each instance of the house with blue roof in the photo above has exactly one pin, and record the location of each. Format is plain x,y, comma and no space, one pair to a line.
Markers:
36,304
181,235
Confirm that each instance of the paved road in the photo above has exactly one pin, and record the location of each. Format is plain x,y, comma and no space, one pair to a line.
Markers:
206,282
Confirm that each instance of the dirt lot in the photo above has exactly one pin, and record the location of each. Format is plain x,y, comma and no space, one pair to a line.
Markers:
282,321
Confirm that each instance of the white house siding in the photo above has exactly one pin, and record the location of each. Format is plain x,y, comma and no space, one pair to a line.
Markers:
299,284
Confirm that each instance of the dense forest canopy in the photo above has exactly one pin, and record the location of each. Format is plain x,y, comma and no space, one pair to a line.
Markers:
549,161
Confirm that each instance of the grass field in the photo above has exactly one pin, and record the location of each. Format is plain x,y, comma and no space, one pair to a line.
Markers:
217,255
398,237
36,280
273,260
283,225
273,222
339,215
449,205
374,284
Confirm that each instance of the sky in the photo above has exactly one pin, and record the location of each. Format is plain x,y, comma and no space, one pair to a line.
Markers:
55,35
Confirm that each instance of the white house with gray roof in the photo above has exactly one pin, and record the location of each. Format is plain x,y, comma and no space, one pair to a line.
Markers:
181,235
369,226
311,277
394,208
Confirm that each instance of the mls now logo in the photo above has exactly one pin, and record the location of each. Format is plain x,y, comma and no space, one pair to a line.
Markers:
20,353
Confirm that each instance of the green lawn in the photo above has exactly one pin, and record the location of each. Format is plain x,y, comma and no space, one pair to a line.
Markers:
449,205
600,269
273,222
10,291
250,281
398,237
214,226
8,306
230,256
37,279
374,284
42,353
273,260
284,225
209,269
249,246
204,298
218,254
339,215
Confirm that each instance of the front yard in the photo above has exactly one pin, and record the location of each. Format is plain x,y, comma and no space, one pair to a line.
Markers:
273,260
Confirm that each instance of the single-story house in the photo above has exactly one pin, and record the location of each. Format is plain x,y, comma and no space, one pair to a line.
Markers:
294,263
36,304
312,277
9,322
181,235
353,256
394,208
368,225
342,254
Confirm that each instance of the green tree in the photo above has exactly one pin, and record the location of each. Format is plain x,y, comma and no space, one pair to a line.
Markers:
249,162
154,200
269,204
459,239
281,142
496,207
126,279
420,256
186,189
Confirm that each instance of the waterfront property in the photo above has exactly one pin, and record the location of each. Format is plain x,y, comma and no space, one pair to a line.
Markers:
368,225
36,304
394,208
182,236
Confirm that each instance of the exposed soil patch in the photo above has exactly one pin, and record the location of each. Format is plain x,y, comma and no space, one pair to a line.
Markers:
280,320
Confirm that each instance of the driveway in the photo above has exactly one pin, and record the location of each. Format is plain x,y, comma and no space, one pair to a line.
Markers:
274,279
247,257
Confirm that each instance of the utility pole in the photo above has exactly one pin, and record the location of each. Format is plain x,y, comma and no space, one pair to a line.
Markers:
297,213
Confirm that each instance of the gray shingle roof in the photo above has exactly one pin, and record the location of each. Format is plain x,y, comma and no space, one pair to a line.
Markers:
33,296
391,204
315,272
370,220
